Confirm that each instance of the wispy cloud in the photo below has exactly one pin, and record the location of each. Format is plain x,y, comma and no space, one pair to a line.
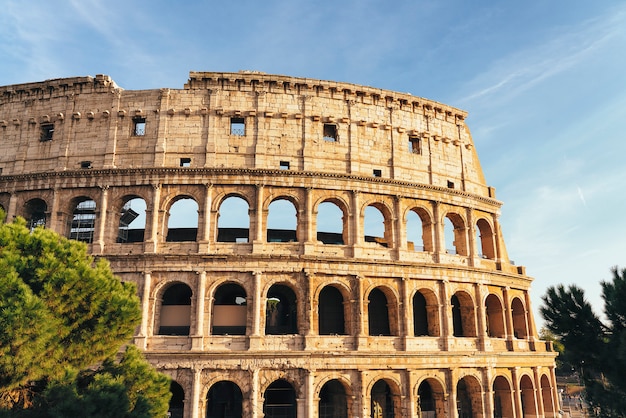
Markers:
524,69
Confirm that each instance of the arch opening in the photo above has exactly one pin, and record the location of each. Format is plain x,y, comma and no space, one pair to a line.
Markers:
83,221
175,313
333,401
281,311
224,400
230,310
280,400
282,221
330,224
331,314
132,225
378,313
233,223
182,224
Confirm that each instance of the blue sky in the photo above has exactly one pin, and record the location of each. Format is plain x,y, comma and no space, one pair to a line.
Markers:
544,83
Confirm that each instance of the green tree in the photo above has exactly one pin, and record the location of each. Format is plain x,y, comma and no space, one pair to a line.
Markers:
63,319
596,350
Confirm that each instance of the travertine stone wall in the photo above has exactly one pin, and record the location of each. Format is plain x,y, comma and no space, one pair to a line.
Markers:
419,327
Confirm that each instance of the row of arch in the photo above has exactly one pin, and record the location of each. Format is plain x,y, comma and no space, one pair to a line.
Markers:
338,398
284,312
283,218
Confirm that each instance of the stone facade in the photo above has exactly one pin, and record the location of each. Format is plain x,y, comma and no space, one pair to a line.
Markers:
215,200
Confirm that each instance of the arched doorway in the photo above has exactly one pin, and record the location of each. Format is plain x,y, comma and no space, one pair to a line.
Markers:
224,400
280,400
333,402
177,401
382,401
502,398
331,315
281,311
175,314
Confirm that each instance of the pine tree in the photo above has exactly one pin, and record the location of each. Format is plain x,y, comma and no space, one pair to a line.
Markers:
63,319
596,350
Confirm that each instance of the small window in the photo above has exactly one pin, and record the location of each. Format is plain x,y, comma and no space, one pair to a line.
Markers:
237,126
450,184
330,132
139,126
185,162
378,173
415,146
85,164
284,165
47,130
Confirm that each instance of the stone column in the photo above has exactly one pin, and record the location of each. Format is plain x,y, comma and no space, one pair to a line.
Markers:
538,392
12,209
197,341
488,392
473,245
400,227
356,233
445,314
255,401
258,239
481,316
205,237
307,216
55,215
311,400
517,394
100,229
406,318
510,332
451,406
530,321
257,310
439,244
142,339
152,240
195,393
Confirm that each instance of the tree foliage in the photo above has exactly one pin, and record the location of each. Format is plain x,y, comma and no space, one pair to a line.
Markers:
595,349
63,318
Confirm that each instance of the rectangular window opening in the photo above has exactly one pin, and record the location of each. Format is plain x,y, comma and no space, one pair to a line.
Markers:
85,164
450,184
47,131
185,162
284,165
415,146
378,173
139,126
237,126
330,132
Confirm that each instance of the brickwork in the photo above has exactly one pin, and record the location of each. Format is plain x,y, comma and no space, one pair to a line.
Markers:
306,321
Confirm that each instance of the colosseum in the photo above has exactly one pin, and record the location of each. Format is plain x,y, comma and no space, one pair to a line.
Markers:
301,248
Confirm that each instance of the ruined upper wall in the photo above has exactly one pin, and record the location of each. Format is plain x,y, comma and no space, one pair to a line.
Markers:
237,120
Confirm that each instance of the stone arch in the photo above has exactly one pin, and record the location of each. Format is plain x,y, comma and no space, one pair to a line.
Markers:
279,400
182,219
331,311
549,408
485,238
527,392
36,213
278,216
419,229
503,403
233,218
518,311
495,316
281,310
385,399
131,219
426,313
372,213
334,228
463,316
333,400
224,399
382,312
177,401
82,220
230,310
458,243
175,309
469,402
431,398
